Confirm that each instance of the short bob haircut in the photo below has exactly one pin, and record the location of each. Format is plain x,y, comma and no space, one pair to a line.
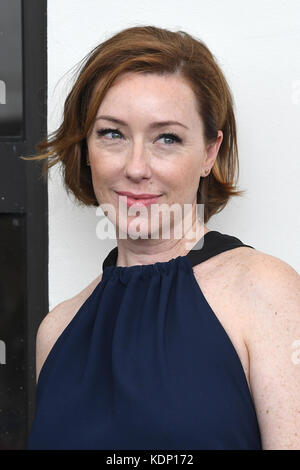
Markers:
146,49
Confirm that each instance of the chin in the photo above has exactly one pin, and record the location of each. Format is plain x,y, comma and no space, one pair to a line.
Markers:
138,229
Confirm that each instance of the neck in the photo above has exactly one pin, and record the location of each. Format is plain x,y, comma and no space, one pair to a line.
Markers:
149,251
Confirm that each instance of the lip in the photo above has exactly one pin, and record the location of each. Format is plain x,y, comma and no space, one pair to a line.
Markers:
139,199
137,196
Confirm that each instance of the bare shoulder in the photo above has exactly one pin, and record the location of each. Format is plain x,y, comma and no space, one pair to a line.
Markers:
248,271
271,300
264,287
266,279
257,298
57,320
227,266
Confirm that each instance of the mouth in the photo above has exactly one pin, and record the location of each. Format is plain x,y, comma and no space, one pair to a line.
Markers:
140,199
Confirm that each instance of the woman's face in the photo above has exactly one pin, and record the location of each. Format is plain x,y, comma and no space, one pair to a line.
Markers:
140,156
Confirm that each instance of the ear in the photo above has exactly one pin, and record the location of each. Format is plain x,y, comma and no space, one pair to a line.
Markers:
212,151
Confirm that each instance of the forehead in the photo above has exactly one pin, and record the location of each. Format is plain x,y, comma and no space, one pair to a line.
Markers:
151,81
151,93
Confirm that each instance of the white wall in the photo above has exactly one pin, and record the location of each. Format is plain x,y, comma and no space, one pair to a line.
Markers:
257,46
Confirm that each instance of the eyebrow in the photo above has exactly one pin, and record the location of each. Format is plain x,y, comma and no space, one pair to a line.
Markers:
153,125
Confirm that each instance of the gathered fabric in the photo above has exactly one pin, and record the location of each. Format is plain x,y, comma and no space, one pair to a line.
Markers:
146,364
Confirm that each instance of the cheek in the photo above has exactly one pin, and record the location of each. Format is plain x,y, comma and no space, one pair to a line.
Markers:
103,167
183,176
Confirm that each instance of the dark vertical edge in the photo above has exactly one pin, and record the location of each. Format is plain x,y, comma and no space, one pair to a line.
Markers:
35,112
24,124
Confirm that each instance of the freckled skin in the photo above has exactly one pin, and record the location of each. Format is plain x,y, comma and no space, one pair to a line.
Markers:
140,161
243,289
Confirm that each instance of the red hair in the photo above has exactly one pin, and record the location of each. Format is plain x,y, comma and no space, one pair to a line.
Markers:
146,49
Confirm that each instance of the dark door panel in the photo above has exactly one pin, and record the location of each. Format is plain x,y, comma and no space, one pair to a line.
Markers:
23,211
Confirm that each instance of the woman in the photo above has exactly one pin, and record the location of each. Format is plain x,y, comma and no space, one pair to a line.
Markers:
182,342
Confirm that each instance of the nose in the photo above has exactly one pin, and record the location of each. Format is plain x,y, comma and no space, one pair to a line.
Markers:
137,164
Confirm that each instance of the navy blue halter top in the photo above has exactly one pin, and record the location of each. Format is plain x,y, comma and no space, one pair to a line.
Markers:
146,364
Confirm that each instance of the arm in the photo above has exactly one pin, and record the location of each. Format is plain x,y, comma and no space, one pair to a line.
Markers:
56,321
48,332
272,304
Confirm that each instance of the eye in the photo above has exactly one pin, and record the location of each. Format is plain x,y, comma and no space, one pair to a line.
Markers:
171,136
102,132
